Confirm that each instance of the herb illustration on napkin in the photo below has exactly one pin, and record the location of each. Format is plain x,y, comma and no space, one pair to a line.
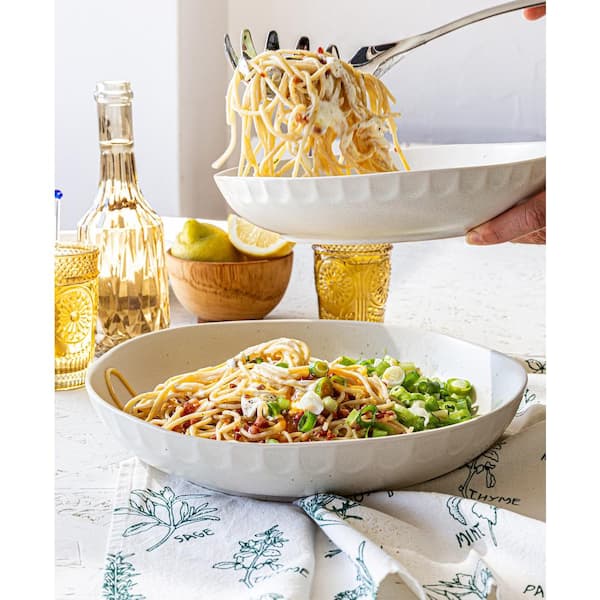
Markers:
464,586
118,578
255,554
165,510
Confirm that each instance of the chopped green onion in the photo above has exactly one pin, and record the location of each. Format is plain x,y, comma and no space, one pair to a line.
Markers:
419,424
382,367
347,361
307,421
369,364
440,414
410,378
282,365
458,416
432,404
257,360
363,411
323,387
274,409
407,418
379,432
391,360
319,368
339,380
330,404
284,403
404,415
351,418
408,366
427,386
461,387
416,397
384,427
464,404
399,393
272,441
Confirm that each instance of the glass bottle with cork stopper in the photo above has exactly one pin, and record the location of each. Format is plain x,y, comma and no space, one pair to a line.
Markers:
133,288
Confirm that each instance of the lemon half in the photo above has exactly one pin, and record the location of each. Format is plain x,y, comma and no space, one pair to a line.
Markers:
254,241
203,242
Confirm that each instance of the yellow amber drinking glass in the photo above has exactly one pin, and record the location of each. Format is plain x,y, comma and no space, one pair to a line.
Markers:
352,281
75,312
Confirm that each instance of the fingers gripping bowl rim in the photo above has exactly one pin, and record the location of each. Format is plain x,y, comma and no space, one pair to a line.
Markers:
285,471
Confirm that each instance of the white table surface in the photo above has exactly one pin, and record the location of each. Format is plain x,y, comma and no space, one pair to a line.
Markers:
493,296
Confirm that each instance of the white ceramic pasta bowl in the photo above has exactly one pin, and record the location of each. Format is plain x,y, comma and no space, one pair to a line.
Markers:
286,471
449,190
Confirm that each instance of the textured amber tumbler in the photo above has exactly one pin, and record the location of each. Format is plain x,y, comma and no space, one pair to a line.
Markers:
75,312
352,281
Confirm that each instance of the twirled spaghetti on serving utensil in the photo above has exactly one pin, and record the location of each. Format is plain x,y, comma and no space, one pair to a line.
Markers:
308,114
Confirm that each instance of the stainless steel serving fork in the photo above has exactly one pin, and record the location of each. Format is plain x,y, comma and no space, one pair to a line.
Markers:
378,59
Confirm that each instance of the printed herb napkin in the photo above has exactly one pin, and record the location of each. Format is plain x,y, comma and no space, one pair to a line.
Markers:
475,533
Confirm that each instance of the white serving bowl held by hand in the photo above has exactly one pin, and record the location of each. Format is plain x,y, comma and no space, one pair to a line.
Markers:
449,190
287,471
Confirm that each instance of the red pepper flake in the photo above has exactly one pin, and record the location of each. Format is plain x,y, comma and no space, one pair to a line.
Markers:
189,407
263,74
260,387
237,435
292,422
297,80
261,422
233,385
320,50
253,429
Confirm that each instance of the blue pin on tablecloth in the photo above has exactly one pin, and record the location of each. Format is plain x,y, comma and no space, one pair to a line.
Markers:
57,196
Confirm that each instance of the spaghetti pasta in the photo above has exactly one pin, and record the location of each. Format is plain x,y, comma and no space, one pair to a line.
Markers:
308,114
275,392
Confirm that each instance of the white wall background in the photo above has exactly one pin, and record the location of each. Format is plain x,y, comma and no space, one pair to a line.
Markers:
133,40
483,83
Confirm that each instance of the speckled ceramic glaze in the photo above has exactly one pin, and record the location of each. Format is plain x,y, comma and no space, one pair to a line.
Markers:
285,471
449,190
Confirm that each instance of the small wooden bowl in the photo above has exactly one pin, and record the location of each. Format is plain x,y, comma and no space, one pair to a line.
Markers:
229,291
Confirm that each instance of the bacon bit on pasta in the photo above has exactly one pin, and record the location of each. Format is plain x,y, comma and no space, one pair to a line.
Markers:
261,422
189,407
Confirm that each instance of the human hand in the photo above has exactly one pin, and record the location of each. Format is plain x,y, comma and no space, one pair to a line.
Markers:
535,12
524,223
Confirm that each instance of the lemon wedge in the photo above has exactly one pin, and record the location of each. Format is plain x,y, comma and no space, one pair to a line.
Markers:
254,241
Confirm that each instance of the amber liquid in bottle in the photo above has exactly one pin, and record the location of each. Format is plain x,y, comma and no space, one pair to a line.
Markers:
133,289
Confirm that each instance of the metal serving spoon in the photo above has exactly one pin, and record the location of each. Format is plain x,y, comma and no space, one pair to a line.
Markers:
378,59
